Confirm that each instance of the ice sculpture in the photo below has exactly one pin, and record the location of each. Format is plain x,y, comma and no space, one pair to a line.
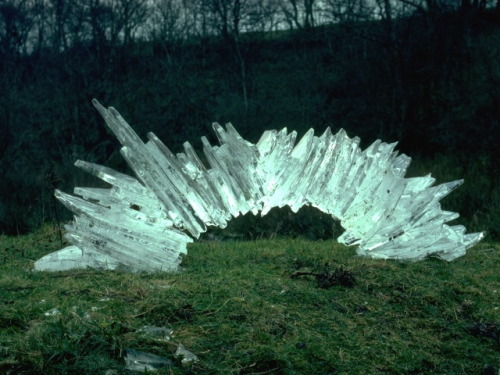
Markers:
143,223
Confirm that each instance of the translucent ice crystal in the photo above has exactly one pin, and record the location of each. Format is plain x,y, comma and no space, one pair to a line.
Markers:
143,223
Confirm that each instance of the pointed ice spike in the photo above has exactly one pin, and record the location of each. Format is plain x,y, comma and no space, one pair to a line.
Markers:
289,175
321,171
304,146
472,238
151,173
138,224
239,157
72,257
110,176
400,165
118,125
231,190
202,182
417,184
171,175
182,182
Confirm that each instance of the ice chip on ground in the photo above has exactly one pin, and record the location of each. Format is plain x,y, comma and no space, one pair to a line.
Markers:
156,333
135,360
186,356
145,223
52,312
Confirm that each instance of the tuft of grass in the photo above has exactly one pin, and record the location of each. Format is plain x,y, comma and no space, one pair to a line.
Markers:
238,308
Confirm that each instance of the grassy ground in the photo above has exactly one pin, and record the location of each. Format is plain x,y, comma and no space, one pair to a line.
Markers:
237,307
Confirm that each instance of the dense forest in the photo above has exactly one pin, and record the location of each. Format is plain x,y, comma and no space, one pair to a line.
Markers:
425,73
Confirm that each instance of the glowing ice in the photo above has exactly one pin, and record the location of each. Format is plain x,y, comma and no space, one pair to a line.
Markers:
141,224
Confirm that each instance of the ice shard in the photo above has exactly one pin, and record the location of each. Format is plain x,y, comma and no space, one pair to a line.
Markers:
145,223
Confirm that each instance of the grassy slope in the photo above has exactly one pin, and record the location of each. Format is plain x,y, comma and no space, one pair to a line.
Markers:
238,309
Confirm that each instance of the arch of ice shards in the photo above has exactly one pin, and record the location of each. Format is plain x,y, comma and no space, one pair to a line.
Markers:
141,224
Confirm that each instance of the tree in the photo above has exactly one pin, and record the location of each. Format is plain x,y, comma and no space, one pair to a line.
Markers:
130,16
15,25
168,20
300,15
348,11
226,15
261,16
60,13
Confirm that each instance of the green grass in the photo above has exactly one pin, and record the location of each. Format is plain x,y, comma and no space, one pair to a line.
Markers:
237,307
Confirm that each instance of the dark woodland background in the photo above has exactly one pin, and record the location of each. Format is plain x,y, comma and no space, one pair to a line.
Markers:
425,73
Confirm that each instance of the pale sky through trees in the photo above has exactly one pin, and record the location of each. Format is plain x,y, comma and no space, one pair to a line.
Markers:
29,25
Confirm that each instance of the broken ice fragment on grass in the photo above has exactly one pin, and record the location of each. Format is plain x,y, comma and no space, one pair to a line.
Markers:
186,356
135,360
157,333
52,312
145,223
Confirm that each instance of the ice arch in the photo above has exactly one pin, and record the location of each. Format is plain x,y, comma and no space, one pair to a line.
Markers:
142,223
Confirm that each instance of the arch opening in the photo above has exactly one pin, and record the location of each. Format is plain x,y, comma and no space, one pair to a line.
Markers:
308,222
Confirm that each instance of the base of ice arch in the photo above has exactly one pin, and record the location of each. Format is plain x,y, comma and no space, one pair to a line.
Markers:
144,224
72,257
